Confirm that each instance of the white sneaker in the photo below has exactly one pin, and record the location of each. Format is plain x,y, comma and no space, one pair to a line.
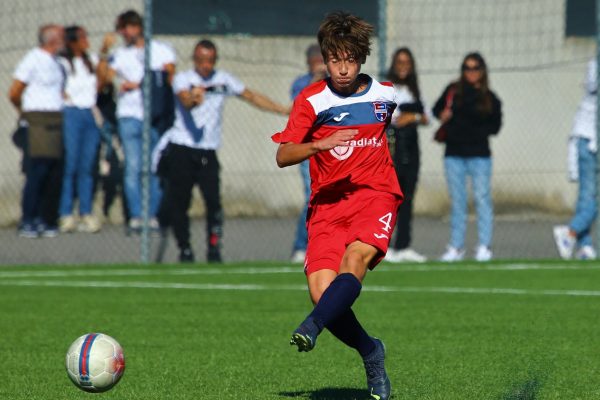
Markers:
404,255
89,224
298,256
586,253
565,243
483,253
452,254
67,224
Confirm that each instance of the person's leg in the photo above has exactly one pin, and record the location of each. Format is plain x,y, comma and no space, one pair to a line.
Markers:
34,179
455,169
408,184
72,126
301,238
155,190
480,170
210,187
586,207
130,132
89,142
51,192
180,179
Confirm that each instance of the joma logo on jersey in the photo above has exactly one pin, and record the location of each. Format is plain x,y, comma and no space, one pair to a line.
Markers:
381,111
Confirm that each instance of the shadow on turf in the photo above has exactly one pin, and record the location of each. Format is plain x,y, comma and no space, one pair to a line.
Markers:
527,390
329,394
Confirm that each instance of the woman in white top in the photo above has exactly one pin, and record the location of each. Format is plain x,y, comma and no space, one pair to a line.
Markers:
81,134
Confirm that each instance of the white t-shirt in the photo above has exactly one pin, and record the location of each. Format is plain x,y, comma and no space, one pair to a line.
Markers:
44,77
128,62
200,127
81,87
584,124
404,95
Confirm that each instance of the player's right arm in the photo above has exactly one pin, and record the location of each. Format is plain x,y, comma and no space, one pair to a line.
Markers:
292,153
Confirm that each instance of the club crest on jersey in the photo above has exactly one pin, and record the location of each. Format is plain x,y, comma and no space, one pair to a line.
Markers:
341,152
381,111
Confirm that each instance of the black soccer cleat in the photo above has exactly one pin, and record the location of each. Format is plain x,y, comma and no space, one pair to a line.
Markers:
305,336
214,255
186,255
378,381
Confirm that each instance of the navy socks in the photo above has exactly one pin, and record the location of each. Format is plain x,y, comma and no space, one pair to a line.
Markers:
336,300
350,332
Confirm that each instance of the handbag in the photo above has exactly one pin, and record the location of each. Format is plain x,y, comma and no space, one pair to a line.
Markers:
44,135
441,134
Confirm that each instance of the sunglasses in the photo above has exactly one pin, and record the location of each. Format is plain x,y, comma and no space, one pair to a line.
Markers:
473,68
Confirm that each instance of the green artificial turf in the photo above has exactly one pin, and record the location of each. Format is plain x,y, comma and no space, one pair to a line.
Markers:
506,331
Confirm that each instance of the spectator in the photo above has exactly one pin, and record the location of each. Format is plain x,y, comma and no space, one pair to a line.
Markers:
583,147
81,133
404,146
316,71
37,94
127,63
190,157
470,112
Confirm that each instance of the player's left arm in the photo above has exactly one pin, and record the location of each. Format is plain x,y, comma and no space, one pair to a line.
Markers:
263,102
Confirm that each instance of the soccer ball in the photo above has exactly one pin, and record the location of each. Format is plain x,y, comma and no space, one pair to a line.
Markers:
95,362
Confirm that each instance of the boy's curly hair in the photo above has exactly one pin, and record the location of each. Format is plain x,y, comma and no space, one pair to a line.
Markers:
341,32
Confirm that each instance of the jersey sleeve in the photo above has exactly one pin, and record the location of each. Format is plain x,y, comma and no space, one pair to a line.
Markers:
234,85
300,122
25,69
180,83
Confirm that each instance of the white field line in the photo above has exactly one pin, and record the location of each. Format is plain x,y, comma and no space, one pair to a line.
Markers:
106,272
260,287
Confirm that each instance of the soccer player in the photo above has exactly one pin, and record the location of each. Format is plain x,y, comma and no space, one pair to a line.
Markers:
339,124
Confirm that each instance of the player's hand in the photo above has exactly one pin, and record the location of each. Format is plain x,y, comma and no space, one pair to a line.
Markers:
338,138
445,115
197,94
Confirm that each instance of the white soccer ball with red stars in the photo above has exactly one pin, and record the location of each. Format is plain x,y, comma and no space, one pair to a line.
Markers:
95,362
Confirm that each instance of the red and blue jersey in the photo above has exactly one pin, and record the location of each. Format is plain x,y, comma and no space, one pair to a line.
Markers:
319,111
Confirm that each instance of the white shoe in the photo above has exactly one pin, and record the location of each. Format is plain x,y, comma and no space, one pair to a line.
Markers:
89,224
67,224
298,256
565,243
586,253
483,253
404,255
452,254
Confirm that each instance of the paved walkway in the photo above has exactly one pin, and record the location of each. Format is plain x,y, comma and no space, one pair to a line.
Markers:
516,237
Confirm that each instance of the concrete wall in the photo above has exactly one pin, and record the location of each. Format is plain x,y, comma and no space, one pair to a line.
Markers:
535,70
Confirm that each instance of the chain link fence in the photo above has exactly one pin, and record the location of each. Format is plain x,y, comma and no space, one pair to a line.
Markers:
536,69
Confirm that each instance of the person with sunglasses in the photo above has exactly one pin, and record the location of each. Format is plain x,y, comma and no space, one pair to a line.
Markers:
471,112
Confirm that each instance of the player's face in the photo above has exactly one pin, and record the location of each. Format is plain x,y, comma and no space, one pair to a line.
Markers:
402,65
343,70
204,61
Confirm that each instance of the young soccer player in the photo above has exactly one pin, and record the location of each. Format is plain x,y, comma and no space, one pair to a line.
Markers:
339,124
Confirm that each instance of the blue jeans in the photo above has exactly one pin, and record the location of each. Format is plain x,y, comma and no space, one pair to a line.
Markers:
479,169
81,139
586,207
130,132
301,234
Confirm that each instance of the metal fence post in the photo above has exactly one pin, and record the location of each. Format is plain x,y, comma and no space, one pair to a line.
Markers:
146,136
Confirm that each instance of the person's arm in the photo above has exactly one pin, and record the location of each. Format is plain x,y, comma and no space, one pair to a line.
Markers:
104,73
192,97
15,93
170,68
263,102
294,153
